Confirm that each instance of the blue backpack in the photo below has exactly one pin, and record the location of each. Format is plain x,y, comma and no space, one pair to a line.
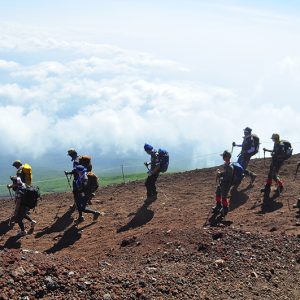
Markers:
238,173
163,157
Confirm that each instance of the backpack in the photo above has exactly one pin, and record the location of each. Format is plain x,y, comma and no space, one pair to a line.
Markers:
255,143
25,173
288,150
30,196
163,157
93,182
238,173
86,161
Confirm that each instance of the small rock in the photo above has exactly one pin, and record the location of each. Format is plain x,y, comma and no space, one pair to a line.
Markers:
254,274
219,262
217,235
106,297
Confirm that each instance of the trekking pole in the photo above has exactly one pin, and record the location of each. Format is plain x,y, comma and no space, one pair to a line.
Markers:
298,165
69,183
264,157
61,201
11,198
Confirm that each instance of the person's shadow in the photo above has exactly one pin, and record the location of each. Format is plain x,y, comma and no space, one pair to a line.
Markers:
12,243
269,205
216,220
237,198
59,225
141,217
70,237
5,227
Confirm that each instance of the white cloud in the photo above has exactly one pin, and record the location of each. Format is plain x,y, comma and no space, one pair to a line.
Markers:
113,100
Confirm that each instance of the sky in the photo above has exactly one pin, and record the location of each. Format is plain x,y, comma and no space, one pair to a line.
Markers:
107,76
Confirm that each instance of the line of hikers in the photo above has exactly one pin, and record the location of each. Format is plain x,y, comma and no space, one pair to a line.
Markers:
233,173
85,183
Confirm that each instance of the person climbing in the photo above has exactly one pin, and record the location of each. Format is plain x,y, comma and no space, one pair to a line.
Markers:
21,210
158,164
249,147
24,171
225,179
78,160
82,193
281,151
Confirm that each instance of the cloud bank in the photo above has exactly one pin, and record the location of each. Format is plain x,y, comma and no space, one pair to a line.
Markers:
112,101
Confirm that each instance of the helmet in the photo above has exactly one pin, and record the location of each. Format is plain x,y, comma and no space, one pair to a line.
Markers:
16,163
275,136
72,152
80,168
226,154
247,130
148,147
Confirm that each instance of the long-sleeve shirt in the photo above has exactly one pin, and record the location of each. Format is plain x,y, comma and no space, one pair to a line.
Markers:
248,146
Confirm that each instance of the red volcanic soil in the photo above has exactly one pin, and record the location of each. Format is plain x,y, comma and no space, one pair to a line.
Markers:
167,249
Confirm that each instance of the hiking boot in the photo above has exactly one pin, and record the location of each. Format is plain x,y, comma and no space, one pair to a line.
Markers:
253,177
21,233
96,215
217,208
79,220
32,224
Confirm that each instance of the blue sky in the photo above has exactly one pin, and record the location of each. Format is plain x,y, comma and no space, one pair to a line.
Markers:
175,74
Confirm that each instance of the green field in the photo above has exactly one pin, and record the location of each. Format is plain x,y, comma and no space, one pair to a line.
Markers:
60,184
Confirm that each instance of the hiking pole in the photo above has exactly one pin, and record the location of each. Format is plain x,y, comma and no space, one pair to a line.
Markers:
298,165
66,173
61,201
11,198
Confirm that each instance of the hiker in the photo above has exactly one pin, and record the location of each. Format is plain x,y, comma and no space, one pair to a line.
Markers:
24,171
83,160
153,172
78,160
279,154
249,147
225,181
159,163
82,193
21,211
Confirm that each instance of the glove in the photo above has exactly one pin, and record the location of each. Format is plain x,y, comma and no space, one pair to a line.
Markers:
264,149
67,173
149,173
8,186
233,144
146,164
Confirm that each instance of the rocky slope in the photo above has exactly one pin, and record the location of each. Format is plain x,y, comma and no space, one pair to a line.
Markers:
168,249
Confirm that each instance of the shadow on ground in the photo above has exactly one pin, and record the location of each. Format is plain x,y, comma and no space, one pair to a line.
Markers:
141,217
70,237
60,224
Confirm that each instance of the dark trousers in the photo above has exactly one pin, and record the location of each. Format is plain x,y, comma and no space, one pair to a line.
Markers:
275,166
81,202
244,160
150,185
22,214
223,189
